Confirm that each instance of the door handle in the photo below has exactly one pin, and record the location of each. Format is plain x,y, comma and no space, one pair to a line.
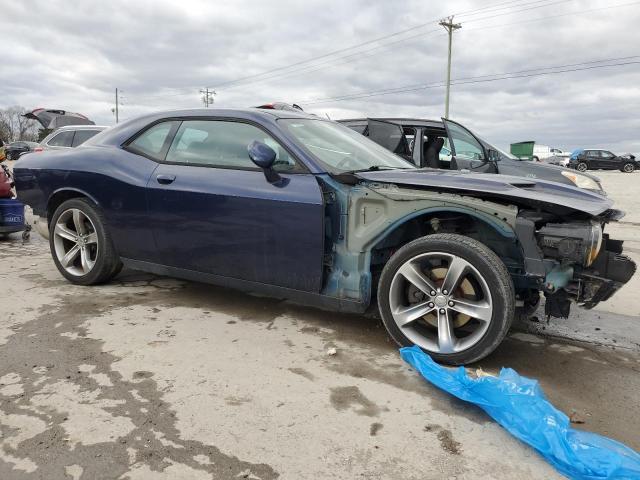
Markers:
165,179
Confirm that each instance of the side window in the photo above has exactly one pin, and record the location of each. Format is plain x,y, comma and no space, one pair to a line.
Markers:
222,144
358,128
63,139
464,144
152,141
82,136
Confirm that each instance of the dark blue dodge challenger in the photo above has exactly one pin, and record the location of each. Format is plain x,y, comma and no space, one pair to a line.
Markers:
297,207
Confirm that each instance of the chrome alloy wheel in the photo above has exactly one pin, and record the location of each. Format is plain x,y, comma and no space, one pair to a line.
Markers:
440,302
628,168
75,242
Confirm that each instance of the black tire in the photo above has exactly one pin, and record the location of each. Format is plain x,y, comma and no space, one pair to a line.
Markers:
492,269
582,167
107,264
628,167
535,159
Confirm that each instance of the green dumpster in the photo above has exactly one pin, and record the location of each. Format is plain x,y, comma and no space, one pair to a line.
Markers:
523,150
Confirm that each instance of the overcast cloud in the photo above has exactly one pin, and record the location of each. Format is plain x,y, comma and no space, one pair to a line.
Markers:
73,54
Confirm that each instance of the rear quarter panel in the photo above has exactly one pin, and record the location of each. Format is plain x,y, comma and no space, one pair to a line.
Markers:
111,177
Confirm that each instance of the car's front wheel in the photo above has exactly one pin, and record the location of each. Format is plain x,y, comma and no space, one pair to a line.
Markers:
81,245
628,167
450,295
582,167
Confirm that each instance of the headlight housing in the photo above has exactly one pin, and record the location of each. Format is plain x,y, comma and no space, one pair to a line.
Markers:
594,245
582,181
574,242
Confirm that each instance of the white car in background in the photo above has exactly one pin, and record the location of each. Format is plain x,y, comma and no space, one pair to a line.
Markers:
69,137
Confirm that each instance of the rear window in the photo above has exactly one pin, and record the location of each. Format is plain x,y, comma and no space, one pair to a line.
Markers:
63,139
82,136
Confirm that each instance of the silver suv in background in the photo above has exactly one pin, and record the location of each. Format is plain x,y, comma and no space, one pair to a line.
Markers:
70,136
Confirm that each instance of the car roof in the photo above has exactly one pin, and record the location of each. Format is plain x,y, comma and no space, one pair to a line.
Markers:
406,122
125,130
81,127
222,112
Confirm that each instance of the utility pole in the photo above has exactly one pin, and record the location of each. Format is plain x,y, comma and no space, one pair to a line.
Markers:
449,26
207,96
116,110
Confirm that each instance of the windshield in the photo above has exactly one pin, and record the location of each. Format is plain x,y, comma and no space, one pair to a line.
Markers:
339,148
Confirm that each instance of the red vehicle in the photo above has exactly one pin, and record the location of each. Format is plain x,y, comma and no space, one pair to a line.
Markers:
5,182
11,210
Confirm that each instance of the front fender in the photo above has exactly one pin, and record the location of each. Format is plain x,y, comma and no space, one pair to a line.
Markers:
377,210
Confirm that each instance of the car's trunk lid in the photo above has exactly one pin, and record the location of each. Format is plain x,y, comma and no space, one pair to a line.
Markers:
51,118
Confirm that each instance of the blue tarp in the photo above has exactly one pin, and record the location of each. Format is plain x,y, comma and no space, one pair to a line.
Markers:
519,405
575,153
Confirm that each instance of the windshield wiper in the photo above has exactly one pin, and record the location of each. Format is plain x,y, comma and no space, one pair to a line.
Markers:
372,168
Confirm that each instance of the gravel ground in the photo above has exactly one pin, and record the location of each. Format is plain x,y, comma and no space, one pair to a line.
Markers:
155,378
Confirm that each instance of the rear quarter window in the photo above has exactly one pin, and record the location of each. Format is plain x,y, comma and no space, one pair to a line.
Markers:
153,142
82,136
62,139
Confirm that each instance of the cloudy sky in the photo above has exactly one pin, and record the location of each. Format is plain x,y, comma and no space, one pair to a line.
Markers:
73,54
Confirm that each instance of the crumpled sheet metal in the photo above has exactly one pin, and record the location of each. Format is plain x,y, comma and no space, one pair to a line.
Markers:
519,405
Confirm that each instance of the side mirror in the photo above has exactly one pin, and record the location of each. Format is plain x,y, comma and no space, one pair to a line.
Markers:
264,157
494,156
261,154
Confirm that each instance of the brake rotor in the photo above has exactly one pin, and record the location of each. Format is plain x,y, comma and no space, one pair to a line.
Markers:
464,290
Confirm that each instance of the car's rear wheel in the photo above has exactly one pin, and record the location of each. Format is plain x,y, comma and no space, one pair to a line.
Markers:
628,167
81,245
450,295
582,167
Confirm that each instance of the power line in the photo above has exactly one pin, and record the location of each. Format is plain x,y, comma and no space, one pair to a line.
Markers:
368,42
568,14
313,67
184,91
410,88
481,79
362,54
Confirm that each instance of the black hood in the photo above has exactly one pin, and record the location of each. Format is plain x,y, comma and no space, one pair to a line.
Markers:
517,188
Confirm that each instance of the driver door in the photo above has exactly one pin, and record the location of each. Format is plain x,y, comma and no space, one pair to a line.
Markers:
608,160
466,150
215,212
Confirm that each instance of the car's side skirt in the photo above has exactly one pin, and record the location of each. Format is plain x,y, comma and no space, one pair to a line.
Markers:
296,296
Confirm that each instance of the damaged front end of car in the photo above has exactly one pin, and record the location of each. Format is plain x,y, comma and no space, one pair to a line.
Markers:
574,261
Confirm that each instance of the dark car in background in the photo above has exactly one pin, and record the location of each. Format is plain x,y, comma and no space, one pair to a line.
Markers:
597,159
70,136
15,149
297,207
447,145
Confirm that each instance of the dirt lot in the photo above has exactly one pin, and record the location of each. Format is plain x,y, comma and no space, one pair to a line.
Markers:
157,378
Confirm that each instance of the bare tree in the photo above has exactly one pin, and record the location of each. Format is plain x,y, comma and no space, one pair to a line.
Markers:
13,126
